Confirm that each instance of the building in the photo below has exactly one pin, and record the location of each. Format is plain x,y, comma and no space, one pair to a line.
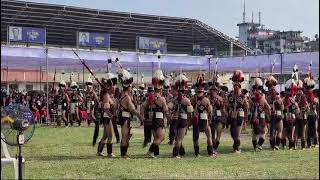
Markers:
62,23
268,41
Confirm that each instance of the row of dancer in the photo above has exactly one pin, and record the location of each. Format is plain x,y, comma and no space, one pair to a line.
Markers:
292,116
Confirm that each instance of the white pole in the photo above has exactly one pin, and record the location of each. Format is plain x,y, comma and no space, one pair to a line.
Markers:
47,86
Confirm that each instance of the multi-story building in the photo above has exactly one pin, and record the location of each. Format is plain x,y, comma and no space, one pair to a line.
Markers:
268,41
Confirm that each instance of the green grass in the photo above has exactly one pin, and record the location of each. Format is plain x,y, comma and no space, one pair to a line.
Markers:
66,153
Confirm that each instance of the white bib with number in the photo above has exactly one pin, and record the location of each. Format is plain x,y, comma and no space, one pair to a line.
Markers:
73,108
278,113
159,115
204,116
218,113
126,114
105,115
241,113
262,116
184,116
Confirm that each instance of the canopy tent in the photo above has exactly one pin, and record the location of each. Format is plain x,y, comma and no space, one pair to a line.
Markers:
64,59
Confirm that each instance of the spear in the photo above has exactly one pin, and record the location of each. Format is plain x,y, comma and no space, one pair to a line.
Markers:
87,67
54,78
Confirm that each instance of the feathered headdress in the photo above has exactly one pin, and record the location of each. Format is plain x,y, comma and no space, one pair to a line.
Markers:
181,82
124,76
200,83
109,79
158,79
257,84
309,82
237,77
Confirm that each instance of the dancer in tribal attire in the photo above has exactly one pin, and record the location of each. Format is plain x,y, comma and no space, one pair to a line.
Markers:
140,98
158,109
237,106
218,113
276,104
312,112
147,113
74,104
93,107
169,99
90,101
291,109
61,101
261,112
201,117
108,105
301,119
126,110
182,111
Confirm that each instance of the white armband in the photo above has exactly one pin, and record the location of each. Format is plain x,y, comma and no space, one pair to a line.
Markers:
190,109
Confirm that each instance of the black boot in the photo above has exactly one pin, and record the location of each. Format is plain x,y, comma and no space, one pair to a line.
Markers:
216,145
272,143
284,143
303,144
238,145
122,150
109,148
291,144
175,151
260,142
210,150
196,150
234,146
157,151
182,152
309,142
95,134
100,147
254,143
153,148
278,140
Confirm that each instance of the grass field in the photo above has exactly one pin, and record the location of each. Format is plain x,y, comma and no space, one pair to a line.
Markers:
66,153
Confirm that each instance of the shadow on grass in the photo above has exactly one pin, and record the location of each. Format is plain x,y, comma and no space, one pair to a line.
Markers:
63,157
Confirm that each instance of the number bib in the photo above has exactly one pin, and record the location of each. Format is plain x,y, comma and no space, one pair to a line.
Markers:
204,116
278,113
73,108
218,113
241,113
126,114
183,116
159,115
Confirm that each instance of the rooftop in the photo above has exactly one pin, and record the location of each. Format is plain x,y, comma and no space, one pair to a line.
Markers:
63,22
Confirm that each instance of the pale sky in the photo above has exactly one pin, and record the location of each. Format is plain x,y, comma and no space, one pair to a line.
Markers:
221,14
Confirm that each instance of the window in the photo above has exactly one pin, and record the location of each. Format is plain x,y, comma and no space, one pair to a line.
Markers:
29,87
13,86
277,43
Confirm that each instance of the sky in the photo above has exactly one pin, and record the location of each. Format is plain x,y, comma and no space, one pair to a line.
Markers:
223,15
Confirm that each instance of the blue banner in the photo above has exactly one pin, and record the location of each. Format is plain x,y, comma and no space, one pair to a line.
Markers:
27,34
94,39
152,43
203,49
